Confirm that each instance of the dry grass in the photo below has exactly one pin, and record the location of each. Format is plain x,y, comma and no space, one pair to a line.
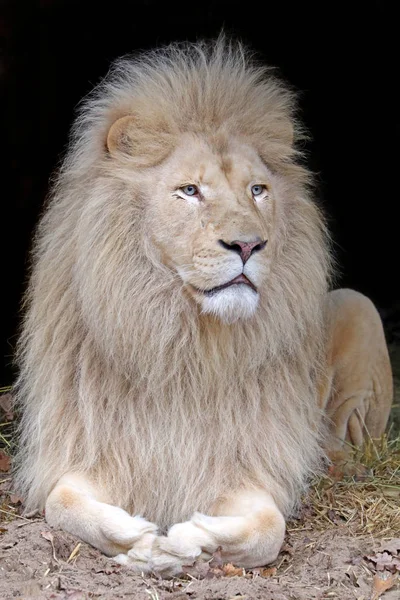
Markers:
368,502
6,425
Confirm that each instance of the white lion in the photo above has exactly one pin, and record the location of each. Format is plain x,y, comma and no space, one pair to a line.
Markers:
180,348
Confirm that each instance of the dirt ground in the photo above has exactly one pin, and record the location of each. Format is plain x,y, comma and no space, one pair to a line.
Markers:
39,563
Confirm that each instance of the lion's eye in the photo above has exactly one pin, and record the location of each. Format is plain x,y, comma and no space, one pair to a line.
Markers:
190,190
257,189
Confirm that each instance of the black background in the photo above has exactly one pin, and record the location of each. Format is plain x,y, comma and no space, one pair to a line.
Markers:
343,57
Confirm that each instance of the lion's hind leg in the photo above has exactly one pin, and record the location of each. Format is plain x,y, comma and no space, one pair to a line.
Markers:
247,525
77,507
361,391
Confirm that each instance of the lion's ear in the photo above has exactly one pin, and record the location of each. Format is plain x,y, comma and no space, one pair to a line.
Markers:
146,144
277,147
284,131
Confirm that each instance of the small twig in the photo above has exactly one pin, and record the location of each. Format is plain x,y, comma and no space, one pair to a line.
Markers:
28,522
6,442
7,512
47,535
74,552
286,570
153,594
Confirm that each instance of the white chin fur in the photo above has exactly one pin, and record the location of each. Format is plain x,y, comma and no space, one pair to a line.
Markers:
231,304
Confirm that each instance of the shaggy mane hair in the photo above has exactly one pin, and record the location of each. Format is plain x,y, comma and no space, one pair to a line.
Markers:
121,376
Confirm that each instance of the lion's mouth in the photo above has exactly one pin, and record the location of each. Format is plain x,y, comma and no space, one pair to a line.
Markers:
239,280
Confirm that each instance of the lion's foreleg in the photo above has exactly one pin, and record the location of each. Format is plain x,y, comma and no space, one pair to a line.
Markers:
75,506
247,525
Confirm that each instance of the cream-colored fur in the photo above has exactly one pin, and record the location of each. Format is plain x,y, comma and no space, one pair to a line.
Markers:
142,391
359,386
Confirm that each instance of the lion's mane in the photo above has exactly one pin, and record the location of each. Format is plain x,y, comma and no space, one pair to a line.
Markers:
120,374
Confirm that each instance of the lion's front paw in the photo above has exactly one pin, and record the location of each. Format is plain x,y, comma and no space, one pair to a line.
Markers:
138,558
184,544
123,529
120,532
167,555
246,541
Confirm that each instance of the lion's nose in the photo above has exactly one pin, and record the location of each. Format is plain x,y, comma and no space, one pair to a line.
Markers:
244,249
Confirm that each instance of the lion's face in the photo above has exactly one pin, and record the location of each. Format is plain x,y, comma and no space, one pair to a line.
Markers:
212,219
